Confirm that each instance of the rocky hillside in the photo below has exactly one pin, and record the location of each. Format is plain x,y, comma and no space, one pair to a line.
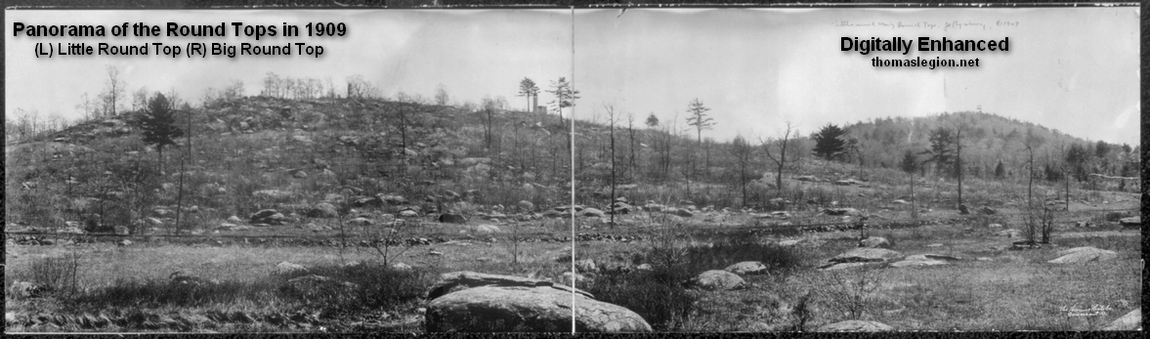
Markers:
261,153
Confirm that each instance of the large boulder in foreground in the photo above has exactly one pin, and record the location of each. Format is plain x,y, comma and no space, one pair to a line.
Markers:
1130,322
479,302
526,309
855,326
461,280
1079,255
718,280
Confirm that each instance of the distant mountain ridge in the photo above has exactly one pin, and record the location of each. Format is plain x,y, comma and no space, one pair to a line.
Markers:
989,138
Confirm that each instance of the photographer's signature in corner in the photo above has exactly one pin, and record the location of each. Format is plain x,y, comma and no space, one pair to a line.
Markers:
1078,311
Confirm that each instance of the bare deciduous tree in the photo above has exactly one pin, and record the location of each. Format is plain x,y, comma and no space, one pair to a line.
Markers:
488,121
113,91
782,160
140,99
441,97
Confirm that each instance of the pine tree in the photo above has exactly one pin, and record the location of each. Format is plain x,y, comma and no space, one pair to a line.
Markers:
528,89
1076,158
158,124
829,144
565,95
699,118
910,165
652,120
942,151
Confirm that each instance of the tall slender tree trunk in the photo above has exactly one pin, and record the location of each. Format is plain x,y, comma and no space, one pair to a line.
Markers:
183,170
779,173
743,182
958,165
913,208
1030,180
611,205
160,157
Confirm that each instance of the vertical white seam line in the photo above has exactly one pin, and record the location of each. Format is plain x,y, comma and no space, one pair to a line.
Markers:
572,153
571,118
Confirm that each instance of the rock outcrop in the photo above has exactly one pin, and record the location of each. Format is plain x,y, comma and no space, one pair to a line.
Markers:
1080,255
875,242
747,267
718,280
865,254
479,302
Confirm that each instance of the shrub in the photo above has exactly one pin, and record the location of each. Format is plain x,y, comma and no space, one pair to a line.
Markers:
1116,216
849,291
56,273
380,286
152,292
377,288
658,296
737,249
802,313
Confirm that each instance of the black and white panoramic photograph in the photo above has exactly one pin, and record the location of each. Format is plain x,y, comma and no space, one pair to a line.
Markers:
627,169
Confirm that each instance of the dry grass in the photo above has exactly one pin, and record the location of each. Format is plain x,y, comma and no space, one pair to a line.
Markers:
1016,290
129,286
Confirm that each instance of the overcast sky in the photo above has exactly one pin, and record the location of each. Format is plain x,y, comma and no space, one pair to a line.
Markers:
1073,69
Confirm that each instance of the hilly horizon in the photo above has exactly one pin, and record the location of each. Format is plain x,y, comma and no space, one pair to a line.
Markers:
881,142
382,197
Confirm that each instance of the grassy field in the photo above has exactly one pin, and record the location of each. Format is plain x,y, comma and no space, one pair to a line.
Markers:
1006,291
126,282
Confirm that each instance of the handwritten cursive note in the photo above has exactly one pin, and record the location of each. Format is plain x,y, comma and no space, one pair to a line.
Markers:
945,26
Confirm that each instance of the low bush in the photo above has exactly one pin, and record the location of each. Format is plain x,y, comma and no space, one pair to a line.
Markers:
850,292
380,287
56,273
156,293
1116,216
658,296
738,249
376,287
